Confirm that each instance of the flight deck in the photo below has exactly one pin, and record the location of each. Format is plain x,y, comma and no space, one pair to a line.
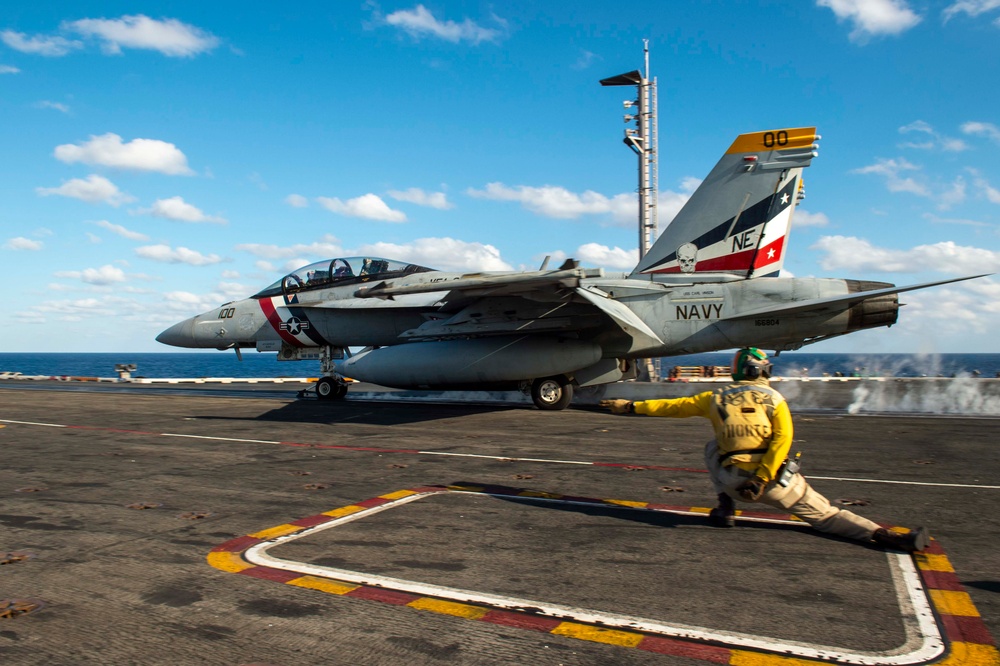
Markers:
242,525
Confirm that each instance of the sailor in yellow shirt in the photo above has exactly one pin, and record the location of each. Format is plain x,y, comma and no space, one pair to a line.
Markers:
748,458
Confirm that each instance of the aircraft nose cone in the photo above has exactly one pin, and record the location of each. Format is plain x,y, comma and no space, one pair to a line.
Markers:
178,335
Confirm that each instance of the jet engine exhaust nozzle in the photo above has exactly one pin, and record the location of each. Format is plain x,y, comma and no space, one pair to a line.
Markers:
872,312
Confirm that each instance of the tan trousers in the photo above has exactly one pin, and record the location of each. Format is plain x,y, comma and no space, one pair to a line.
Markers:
798,499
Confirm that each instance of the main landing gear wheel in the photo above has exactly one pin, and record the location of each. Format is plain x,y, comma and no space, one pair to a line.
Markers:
551,393
328,388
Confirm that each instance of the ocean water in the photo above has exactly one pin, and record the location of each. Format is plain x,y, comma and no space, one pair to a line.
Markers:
254,364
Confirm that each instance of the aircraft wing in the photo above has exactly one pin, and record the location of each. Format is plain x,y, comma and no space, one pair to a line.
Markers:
837,302
471,286
532,303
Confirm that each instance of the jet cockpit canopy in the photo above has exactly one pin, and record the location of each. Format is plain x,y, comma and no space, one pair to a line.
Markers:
340,271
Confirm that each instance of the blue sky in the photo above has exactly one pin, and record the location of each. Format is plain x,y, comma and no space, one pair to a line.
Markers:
160,159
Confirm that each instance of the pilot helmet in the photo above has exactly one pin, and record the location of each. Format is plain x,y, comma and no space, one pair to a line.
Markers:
750,363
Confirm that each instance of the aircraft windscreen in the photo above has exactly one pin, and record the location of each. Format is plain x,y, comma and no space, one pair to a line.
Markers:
342,270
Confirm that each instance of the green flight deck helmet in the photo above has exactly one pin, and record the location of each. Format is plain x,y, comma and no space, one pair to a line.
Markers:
750,363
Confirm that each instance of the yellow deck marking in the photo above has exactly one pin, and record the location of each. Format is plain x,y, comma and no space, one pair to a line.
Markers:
468,489
742,658
230,562
949,602
930,562
971,654
344,511
539,493
280,530
636,505
449,608
699,509
588,633
399,494
323,584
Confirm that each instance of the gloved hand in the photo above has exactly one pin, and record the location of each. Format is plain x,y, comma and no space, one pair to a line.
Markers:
617,406
752,489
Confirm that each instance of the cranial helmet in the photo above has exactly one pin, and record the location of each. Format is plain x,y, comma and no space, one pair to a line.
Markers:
750,363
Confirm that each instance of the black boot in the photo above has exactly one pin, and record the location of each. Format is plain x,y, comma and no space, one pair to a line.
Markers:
723,515
915,540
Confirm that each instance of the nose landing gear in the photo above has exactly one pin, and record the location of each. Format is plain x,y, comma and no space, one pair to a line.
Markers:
331,386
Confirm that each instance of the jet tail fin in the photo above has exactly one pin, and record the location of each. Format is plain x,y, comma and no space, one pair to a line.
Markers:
737,221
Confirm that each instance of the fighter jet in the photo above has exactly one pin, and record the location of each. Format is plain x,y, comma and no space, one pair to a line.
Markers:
709,283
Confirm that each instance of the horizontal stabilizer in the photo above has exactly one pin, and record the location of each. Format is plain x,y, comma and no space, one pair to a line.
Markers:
838,302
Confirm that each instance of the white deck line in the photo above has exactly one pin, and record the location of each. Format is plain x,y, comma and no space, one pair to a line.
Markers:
512,459
220,439
44,425
537,460
924,641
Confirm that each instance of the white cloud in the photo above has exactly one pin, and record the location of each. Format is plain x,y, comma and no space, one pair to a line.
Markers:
415,195
138,154
803,218
368,206
75,310
326,247
891,170
296,201
560,203
22,243
168,36
606,257
9,69
873,17
104,275
58,106
93,189
935,140
175,208
557,202
954,195
258,180
858,254
972,8
934,219
185,302
179,255
989,130
94,238
985,189
122,231
585,59
43,45
420,22
446,254
440,253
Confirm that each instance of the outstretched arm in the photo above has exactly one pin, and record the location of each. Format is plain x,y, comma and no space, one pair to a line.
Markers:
696,405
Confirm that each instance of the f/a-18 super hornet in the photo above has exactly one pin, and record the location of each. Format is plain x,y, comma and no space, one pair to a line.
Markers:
710,282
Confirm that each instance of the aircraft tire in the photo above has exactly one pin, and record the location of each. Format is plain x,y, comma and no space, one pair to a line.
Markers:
551,393
326,389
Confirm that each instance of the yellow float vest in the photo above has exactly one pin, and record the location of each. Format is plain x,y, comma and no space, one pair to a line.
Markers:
743,415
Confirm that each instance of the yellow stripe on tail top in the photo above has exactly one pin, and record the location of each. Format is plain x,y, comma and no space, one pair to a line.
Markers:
781,139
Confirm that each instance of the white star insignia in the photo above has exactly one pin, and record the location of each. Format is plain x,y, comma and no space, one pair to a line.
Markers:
784,198
770,253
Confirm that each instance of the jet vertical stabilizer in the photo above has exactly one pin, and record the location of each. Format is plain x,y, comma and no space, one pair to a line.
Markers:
737,221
